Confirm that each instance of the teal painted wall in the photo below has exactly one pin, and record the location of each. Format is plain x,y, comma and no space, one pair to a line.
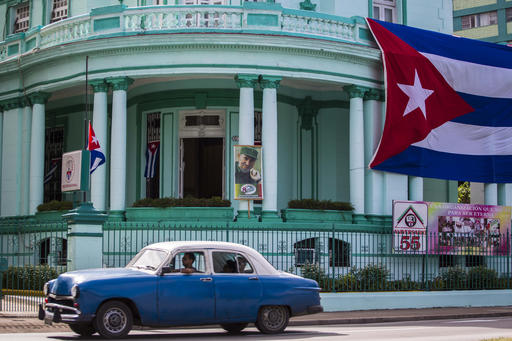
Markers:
333,158
287,154
439,190
133,128
11,162
435,15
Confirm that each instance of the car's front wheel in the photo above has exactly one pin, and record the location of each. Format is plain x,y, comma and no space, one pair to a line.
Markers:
113,320
272,319
234,328
83,329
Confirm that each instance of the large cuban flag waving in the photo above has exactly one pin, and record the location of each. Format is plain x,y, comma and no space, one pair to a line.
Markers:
93,145
448,106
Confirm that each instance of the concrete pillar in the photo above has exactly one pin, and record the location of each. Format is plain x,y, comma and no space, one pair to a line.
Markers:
37,142
100,124
246,83
25,157
269,142
118,151
11,157
373,123
356,150
415,188
491,194
505,194
85,237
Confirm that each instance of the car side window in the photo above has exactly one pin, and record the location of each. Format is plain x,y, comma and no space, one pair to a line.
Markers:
188,262
228,262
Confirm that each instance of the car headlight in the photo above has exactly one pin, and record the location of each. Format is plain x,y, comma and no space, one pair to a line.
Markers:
75,291
45,289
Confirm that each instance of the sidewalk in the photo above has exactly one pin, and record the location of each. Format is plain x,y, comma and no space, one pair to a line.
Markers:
28,322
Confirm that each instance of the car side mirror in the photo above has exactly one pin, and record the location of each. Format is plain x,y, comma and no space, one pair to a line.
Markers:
166,270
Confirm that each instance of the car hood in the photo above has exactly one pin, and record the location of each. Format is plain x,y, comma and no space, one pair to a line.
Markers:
63,284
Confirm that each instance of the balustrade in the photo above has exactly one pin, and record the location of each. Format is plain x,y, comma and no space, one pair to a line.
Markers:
168,18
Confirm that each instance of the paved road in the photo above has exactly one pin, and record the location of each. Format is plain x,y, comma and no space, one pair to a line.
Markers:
438,330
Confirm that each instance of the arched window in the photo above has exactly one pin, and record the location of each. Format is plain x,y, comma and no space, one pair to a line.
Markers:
306,251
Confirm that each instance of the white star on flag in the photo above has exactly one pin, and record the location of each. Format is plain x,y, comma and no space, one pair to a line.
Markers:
94,139
417,95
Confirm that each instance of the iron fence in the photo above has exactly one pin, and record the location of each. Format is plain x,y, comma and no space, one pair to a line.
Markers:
33,253
342,260
339,259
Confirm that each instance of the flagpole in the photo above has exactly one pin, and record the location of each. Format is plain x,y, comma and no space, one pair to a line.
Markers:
86,128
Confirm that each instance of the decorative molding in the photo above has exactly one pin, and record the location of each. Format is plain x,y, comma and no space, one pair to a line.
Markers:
269,82
11,103
374,95
307,5
246,80
355,91
99,85
39,97
120,83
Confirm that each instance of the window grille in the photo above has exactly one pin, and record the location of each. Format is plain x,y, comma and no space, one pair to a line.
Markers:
153,135
508,14
339,253
59,10
306,252
54,146
207,120
21,22
195,20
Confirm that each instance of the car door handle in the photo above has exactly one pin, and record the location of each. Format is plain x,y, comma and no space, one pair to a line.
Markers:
206,279
253,278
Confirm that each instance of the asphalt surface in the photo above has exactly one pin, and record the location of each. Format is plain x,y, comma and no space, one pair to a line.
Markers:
19,322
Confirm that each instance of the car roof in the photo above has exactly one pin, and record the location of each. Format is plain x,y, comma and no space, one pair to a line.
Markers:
261,264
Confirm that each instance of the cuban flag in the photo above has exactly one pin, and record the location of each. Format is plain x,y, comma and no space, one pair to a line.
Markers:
448,106
151,159
93,145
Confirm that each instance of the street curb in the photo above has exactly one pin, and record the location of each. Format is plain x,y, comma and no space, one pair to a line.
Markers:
363,320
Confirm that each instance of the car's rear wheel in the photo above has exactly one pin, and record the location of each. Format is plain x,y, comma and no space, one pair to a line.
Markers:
272,319
234,328
113,320
83,329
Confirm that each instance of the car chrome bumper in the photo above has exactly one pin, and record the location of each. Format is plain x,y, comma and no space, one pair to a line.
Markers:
59,313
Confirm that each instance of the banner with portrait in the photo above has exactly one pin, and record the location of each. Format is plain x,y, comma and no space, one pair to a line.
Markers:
248,172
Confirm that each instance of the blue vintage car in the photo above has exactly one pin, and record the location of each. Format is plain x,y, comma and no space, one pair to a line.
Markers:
180,283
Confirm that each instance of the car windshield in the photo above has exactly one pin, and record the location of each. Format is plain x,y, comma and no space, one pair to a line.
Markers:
148,259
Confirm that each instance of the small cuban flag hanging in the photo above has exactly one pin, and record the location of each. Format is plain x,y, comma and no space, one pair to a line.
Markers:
151,158
97,156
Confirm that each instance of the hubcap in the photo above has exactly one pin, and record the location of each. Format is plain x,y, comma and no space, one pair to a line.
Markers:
274,318
114,320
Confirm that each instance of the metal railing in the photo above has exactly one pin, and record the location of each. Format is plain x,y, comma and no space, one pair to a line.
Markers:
343,260
32,253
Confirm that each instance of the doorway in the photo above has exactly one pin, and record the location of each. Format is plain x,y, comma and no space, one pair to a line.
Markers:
202,167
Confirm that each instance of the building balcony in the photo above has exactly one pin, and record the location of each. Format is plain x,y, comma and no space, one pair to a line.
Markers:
251,18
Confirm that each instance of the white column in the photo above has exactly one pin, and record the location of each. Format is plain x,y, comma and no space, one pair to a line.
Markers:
99,124
11,157
415,188
356,135
505,194
37,141
269,142
246,83
25,158
491,194
373,123
118,150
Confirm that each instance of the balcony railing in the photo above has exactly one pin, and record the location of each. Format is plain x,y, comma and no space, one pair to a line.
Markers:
121,21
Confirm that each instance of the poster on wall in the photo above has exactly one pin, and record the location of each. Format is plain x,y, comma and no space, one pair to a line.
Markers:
410,219
75,171
451,229
468,229
248,172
